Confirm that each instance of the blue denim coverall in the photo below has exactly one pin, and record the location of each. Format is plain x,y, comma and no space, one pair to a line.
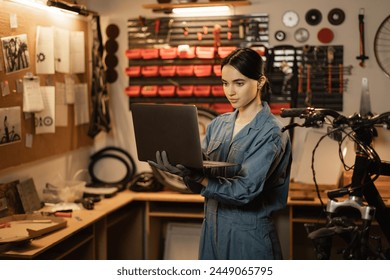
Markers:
239,201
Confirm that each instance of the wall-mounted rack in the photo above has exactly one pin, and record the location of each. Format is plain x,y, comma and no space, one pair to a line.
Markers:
196,4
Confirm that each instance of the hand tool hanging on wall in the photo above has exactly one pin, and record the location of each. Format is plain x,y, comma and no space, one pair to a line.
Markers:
217,38
308,85
330,57
100,118
362,57
341,79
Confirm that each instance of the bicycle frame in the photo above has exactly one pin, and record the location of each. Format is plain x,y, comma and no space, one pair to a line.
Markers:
367,168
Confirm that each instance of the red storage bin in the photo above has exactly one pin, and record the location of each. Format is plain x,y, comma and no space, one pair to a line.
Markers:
168,53
149,90
149,71
186,52
202,70
261,50
277,107
202,90
217,70
133,90
133,71
166,90
185,90
167,70
149,53
205,52
134,53
185,70
225,51
222,107
217,90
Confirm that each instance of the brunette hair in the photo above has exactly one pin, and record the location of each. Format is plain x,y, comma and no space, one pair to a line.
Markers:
250,64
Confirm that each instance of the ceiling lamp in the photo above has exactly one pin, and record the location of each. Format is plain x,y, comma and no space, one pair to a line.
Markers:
73,8
204,11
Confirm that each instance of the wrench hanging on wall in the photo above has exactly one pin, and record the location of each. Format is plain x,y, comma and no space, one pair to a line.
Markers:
362,57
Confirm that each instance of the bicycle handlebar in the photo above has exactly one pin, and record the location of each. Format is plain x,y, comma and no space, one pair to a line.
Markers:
314,117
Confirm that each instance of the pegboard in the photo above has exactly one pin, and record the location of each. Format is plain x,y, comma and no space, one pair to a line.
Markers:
299,76
234,30
308,75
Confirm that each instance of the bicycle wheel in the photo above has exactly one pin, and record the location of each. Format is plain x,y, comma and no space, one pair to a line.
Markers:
175,182
382,46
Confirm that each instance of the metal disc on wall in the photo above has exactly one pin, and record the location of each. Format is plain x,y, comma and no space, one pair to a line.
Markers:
336,16
325,35
313,17
280,35
111,47
112,31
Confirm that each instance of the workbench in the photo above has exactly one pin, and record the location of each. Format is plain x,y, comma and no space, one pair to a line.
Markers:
132,225
125,226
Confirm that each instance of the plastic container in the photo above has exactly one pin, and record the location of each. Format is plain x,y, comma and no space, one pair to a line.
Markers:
185,90
205,52
185,70
217,90
168,53
202,90
64,191
149,71
134,53
222,107
217,70
225,51
202,70
133,91
149,53
166,90
186,52
167,70
149,91
133,71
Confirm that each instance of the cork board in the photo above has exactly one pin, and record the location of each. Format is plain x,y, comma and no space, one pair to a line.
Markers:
65,138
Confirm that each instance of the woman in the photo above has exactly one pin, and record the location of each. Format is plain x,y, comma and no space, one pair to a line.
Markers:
240,201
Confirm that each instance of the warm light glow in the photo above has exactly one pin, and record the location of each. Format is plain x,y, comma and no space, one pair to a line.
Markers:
40,4
204,11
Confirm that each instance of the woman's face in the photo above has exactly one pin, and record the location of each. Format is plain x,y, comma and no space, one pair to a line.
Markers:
238,89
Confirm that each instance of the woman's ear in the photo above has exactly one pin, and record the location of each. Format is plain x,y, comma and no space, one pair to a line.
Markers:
261,82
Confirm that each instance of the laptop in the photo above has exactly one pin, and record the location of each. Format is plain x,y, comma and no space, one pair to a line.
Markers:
170,128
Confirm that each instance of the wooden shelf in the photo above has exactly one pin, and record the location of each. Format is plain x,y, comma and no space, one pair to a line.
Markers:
196,4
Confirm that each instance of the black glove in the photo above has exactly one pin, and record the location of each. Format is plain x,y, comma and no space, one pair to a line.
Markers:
193,186
163,164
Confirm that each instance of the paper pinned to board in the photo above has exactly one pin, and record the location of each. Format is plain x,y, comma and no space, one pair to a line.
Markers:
32,97
45,120
61,110
62,50
77,52
44,50
81,104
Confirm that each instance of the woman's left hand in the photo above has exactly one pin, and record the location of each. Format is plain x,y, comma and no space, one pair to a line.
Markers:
163,164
